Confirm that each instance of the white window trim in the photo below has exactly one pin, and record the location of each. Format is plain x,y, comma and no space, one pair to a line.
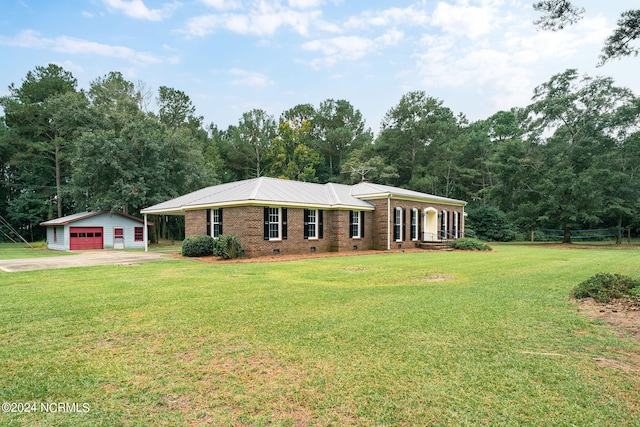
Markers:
279,237
456,225
316,226
214,223
444,225
355,222
398,223
415,217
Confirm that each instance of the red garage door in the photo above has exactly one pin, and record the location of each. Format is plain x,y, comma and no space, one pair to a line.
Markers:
85,238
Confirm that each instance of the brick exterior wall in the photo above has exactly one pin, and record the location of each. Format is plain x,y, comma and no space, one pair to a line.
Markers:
247,222
195,223
381,223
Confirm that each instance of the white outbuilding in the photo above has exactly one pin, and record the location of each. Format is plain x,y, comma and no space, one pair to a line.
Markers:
95,230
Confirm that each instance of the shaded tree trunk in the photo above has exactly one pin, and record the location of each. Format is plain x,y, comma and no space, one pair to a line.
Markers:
58,185
567,234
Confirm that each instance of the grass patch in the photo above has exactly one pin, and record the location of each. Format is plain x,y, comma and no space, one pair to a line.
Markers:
16,251
348,341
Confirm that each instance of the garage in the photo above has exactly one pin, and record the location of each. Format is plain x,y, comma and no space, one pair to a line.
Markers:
86,238
95,230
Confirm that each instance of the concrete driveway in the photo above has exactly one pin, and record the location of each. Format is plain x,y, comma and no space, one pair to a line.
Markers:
82,259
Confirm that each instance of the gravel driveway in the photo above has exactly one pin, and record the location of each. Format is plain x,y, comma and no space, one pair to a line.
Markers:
82,259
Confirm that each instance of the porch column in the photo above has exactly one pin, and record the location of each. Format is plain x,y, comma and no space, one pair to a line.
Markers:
145,235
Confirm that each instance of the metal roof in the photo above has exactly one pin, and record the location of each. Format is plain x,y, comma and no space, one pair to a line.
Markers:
82,215
264,191
368,190
283,192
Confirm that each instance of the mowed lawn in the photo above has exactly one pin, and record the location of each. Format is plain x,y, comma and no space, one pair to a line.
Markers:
403,339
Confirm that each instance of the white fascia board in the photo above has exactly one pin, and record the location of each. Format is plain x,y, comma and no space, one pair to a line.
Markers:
277,204
443,201
170,211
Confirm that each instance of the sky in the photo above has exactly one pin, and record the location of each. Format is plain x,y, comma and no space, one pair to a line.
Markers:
230,56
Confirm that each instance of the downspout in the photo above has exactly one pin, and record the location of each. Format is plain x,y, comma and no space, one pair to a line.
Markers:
462,221
389,222
145,235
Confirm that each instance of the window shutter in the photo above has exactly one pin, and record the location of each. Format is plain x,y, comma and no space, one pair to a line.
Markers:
361,224
395,224
220,219
208,213
350,223
306,223
266,223
284,223
419,219
320,226
404,225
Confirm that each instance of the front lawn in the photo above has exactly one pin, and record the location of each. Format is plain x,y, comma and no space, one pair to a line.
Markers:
403,339
18,250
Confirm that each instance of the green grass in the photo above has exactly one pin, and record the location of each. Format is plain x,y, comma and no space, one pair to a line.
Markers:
18,250
345,341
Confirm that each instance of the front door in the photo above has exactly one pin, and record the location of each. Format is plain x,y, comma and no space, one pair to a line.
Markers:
430,228
118,238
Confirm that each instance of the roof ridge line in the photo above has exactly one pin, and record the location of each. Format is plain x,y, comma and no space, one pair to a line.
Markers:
254,192
336,199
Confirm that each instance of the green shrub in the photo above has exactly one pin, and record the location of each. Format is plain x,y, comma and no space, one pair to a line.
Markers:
603,287
489,223
227,246
196,246
469,244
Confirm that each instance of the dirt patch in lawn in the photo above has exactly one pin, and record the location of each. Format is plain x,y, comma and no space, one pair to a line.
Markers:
296,257
624,317
622,314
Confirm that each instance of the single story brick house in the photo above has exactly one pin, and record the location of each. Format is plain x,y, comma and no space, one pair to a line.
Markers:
95,230
276,216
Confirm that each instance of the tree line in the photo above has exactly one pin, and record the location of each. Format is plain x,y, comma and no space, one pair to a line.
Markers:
570,159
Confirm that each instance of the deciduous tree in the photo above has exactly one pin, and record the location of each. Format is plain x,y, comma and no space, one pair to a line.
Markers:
557,14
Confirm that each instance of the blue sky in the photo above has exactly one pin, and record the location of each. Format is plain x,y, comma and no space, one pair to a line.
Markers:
230,56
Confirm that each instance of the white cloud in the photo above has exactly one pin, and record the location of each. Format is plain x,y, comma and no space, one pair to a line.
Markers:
32,39
500,60
27,39
137,9
249,78
462,19
222,4
263,19
305,4
411,15
349,47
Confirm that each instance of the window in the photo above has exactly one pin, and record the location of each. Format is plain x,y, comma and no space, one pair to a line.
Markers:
356,224
138,234
455,224
397,224
414,224
275,223
310,223
216,222
443,225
